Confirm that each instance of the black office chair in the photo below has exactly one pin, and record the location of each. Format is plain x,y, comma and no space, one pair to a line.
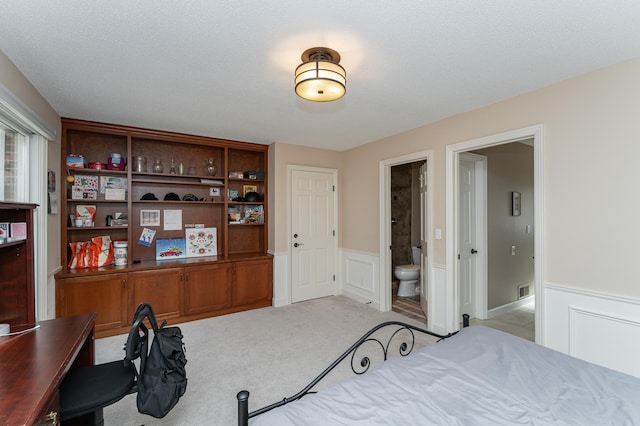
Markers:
87,390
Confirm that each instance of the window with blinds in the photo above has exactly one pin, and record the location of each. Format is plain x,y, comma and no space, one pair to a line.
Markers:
13,165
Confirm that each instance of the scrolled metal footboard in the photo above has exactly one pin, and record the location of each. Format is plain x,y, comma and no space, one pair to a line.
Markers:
360,364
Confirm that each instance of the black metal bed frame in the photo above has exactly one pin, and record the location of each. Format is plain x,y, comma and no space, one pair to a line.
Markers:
404,349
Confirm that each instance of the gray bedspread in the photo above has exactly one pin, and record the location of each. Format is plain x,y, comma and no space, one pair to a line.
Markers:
480,376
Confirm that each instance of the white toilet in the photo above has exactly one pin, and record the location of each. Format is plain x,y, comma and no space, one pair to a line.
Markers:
408,275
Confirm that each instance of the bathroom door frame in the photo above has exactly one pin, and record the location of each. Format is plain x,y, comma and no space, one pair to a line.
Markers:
385,227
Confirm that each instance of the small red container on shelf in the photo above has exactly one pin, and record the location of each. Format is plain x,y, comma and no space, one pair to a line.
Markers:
115,162
97,165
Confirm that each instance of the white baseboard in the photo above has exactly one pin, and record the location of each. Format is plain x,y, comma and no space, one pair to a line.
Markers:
359,298
597,327
510,306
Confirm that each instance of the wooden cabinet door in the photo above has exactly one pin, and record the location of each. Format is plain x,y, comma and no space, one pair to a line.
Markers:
105,295
253,283
207,288
161,288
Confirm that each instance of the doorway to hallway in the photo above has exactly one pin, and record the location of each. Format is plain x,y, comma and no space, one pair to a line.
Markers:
523,227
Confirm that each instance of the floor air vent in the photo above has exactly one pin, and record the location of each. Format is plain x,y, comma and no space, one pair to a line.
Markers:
523,291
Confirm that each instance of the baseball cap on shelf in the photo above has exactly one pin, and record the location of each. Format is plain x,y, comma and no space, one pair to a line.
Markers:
149,196
172,196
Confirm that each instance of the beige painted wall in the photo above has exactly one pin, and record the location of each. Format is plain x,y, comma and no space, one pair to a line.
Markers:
282,155
15,81
590,151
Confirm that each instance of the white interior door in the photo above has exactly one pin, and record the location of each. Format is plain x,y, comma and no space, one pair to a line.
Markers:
467,237
424,276
313,234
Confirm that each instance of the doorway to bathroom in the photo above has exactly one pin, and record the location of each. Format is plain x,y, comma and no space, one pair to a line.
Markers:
407,193
419,216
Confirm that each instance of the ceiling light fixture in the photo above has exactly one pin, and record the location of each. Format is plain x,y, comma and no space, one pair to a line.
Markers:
319,78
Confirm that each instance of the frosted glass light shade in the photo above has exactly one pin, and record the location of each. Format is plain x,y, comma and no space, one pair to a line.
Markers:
319,78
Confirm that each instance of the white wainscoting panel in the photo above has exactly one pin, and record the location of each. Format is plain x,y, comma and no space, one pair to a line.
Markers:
597,327
437,300
360,273
281,290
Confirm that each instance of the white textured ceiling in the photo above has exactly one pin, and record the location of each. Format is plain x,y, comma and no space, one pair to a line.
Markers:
225,68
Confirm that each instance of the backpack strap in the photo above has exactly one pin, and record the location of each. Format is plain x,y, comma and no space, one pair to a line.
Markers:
145,310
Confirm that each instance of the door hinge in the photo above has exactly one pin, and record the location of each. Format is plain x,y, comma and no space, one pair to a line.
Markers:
334,232
458,256
334,188
334,277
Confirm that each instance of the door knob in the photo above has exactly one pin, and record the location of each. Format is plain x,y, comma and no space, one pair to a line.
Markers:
474,251
297,244
295,235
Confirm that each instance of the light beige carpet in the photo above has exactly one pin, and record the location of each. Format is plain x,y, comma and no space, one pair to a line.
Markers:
519,322
271,352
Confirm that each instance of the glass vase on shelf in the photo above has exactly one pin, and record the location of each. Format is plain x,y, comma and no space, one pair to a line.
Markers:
157,167
172,169
140,165
210,168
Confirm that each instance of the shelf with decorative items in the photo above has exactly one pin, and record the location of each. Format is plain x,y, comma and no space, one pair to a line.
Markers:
172,216
246,208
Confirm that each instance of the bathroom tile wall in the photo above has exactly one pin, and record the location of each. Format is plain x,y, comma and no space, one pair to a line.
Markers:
401,212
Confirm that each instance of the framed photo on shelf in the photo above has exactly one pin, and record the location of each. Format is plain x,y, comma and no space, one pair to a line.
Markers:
515,203
149,217
201,242
248,188
170,248
235,214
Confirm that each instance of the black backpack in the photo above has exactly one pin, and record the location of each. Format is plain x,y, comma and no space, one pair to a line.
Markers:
163,378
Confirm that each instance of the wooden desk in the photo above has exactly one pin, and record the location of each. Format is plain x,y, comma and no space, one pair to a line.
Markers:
33,364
